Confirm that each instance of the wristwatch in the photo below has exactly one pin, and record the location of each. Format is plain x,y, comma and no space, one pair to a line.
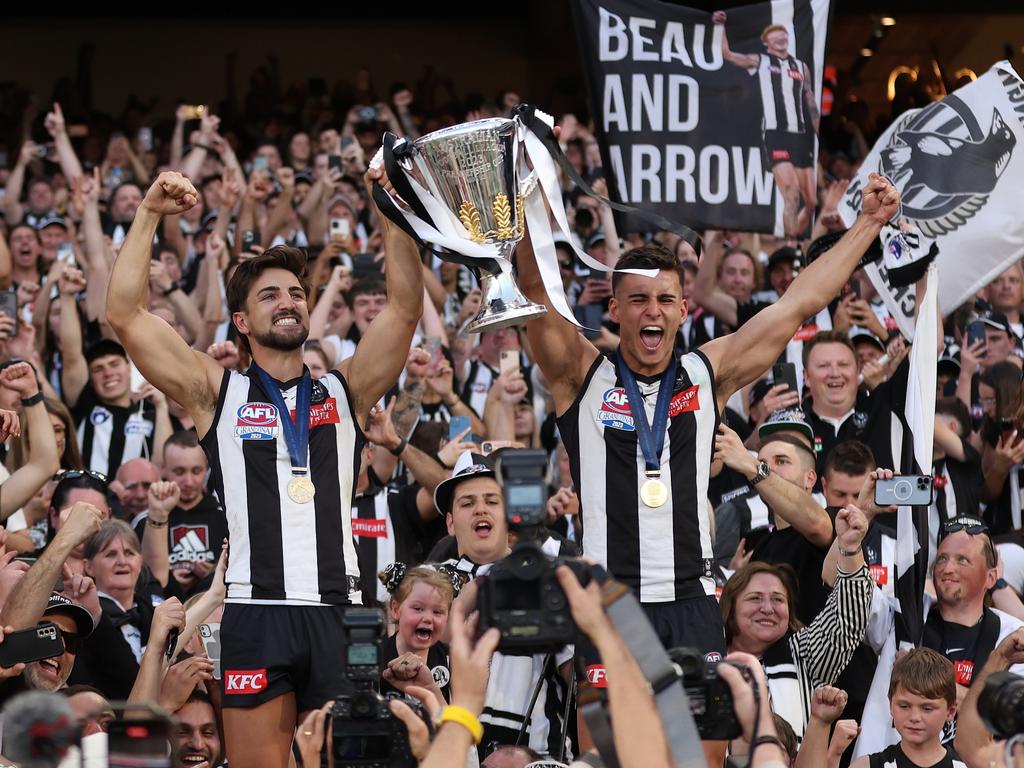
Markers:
763,470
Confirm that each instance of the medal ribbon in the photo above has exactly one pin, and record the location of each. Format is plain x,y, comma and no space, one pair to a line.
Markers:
296,434
650,436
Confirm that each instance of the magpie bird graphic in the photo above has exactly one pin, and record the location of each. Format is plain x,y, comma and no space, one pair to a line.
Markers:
948,165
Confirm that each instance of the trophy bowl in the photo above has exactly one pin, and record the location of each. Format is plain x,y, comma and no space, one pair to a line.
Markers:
472,170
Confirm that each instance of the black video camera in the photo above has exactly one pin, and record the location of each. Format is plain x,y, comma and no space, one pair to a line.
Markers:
710,697
1001,705
366,733
520,595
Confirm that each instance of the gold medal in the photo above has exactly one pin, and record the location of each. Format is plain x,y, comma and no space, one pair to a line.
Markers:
301,489
653,492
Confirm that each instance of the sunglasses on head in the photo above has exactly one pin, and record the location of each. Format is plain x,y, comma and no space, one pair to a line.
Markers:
74,474
971,526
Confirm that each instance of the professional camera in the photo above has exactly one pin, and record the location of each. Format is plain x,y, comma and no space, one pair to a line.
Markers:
1001,705
710,697
366,733
521,595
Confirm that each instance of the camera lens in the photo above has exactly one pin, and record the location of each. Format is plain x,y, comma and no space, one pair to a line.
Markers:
1001,704
364,704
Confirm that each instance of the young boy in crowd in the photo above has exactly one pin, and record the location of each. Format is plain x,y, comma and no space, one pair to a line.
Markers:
922,699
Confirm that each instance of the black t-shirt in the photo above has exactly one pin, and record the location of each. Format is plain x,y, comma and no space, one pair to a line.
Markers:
790,547
194,535
893,757
437,660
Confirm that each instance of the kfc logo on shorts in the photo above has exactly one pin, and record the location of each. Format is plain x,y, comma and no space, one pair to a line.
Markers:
684,402
597,676
614,411
256,421
239,681
964,671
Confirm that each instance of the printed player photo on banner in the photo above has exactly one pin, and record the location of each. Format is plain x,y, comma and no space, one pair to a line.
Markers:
709,118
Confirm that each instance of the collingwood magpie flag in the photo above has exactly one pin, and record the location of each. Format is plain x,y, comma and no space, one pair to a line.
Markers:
958,164
701,117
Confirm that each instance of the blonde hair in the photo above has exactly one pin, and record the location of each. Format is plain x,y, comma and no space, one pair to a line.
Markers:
428,576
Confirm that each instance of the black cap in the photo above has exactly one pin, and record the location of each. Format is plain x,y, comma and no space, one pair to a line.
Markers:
208,218
759,390
469,466
60,604
104,347
786,418
594,239
863,334
994,319
52,218
949,358
784,255
304,177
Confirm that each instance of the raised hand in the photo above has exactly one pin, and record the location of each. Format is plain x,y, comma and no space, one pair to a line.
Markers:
851,527
170,194
225,353
82,522
54,122
828,703
71,282
880,200
163,497
181,679
382,430
169,615
21,377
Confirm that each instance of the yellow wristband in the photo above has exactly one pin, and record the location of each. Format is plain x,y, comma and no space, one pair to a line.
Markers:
465,718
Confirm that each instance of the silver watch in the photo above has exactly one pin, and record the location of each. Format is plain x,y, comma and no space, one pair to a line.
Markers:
763,470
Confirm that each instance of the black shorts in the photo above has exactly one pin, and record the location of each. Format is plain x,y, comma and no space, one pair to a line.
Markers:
692,623
270,650
785,147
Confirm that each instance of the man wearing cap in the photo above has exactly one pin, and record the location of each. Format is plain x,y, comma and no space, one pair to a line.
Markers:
53,231
781,477
960,626
114,423
473,504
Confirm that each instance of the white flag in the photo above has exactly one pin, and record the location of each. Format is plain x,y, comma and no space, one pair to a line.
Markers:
959,166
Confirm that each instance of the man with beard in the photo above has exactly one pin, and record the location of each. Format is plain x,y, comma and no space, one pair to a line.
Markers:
285,480
197,741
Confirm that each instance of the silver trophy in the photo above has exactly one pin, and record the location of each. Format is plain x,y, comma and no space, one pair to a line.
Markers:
472,170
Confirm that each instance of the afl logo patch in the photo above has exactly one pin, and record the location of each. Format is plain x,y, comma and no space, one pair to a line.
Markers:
614,410
256,421
713,656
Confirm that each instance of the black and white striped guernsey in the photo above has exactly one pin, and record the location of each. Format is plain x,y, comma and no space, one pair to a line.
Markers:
283,552
893,757
664,554
781,82
110,435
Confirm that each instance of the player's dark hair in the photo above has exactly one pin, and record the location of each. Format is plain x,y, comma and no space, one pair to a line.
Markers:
647,256
279,257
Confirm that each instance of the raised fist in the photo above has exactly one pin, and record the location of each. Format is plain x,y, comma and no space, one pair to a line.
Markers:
718,17
171,193
881,201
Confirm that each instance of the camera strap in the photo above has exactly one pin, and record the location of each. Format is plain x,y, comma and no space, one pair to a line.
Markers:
632,624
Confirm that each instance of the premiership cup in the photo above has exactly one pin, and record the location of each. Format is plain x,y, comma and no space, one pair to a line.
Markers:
471,169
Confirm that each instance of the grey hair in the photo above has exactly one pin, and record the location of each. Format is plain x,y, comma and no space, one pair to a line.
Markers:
109,531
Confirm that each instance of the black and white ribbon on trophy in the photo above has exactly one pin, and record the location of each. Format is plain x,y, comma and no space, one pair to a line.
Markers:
417,210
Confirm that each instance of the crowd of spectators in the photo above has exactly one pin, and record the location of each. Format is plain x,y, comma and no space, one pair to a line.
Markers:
105,484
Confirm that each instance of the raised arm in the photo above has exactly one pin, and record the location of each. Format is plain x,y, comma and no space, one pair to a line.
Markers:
706,290
69,164
75,371
164,358
43,459
787,500
381,353
745,60
561,351
13,210
741,356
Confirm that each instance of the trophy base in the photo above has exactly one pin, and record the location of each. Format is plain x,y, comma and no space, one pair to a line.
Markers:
491,319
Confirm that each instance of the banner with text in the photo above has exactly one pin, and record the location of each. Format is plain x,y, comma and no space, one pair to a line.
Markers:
960,175
708,119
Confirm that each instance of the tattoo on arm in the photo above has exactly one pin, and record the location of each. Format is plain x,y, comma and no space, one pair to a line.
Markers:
407,408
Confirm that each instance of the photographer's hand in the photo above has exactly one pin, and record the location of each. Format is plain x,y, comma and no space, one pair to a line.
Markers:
419,734
311,734
636,727
753,714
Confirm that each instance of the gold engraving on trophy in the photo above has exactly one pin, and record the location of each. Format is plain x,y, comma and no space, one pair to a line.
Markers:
470,218
520,229
503,217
